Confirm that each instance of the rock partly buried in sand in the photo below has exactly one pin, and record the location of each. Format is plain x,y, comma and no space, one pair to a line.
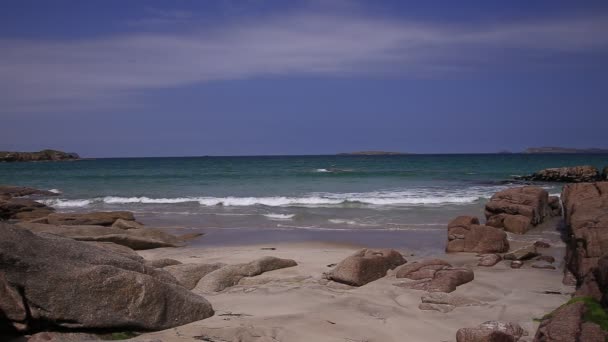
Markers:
574,174
424,269
489,260
365,266
568,323
433,275
541,244
101,218
517,210
523,253
517,264
466,235
23,209
445,302
230,275
491,331
543,265
68,284
189,274
547,258
133,238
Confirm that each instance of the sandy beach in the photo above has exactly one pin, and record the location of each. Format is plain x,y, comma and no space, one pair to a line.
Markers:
298,304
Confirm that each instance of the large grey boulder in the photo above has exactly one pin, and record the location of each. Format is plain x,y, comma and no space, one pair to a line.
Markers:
189,274
365,266
230,275
67,284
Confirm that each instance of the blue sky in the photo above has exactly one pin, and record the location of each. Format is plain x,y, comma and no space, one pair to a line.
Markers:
172,78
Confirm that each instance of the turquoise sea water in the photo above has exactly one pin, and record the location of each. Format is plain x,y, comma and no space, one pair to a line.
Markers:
293,194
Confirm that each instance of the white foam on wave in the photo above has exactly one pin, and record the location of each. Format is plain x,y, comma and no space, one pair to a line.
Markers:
322,170
55,191
62,203
384,198
279,217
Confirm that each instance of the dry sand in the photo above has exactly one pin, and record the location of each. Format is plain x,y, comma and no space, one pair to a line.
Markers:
297,304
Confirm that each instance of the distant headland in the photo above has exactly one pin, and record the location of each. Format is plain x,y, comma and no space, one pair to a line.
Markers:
551,149
371,153
44,155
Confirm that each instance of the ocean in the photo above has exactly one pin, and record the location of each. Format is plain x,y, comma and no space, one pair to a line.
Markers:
398,200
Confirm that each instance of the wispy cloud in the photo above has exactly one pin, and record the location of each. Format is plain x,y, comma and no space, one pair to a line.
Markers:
46,75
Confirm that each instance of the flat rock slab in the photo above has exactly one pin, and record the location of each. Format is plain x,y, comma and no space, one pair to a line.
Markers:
230,275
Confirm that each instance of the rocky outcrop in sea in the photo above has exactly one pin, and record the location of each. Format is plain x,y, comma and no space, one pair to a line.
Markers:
44,155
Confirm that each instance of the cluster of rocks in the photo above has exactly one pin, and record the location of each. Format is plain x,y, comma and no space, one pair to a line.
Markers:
50,282
574,174
517,210
586,218
465,234
44,155
14,206
434,275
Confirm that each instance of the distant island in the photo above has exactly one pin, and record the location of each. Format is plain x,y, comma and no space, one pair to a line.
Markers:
371,153
44,155
564,150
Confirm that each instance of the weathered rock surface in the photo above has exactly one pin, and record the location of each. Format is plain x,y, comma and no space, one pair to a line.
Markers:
63,337
555,205
574,174
543,265
466,235
523,253
82,286
365,266
421,269
517,264
491,331
541,244
124,224
489,260
517,210
44,155
21,191
100,218
586,215
22,208
565,324
230,275
189,274
433,275
445,302
160,263
137,239
605,174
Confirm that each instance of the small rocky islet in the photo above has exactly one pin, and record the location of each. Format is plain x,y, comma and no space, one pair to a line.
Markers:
68,275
